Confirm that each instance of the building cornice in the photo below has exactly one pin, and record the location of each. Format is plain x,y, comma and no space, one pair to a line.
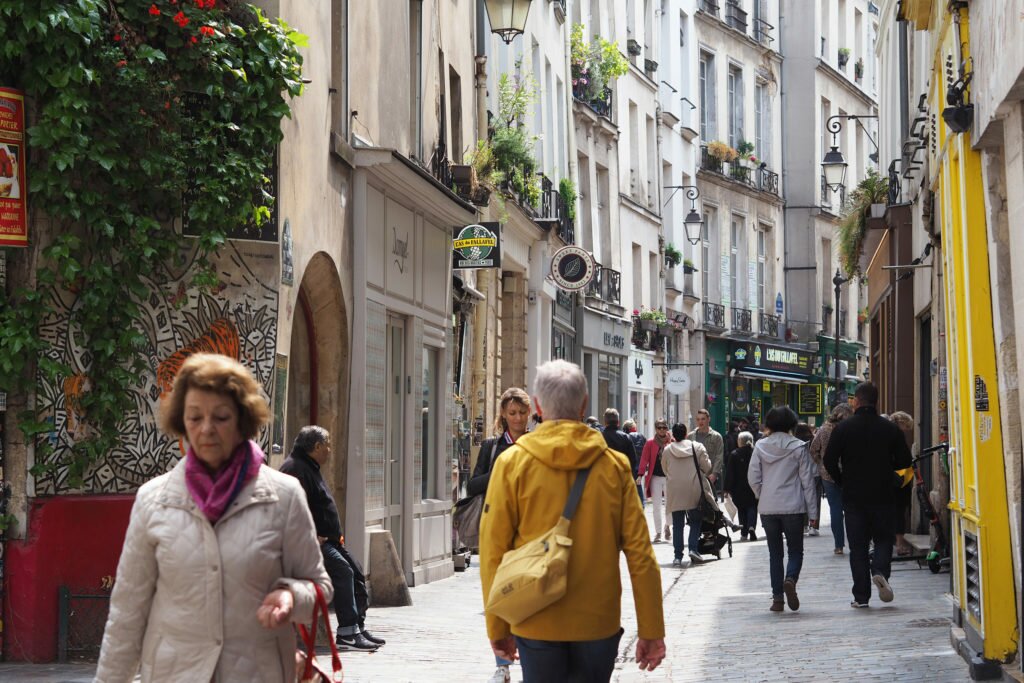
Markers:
846,83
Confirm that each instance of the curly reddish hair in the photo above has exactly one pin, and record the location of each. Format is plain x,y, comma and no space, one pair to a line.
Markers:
221,375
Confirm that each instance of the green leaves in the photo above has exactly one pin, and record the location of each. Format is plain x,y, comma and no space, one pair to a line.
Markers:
131,111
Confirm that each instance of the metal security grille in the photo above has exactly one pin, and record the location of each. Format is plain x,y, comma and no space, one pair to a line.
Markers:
82,619
972,561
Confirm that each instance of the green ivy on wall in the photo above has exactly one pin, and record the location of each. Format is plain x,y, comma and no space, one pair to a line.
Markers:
132,106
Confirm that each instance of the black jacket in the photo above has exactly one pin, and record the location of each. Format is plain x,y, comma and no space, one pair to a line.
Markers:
618,440
485,463
639,441
863,452
321,502
736,484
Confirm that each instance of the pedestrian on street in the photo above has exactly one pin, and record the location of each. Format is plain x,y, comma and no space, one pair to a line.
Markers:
577,637
619,441
683,489
863,453
738,487
220,556
781,475
904,494
713,443
639,441
654,475
513,413
805,433
833,494
310,452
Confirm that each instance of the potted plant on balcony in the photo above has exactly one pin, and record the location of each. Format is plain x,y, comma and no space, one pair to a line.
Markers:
862,315
511,143
567,191
720,151
858,69
673,257
486,176
745,151
844,57
594,65
688,267
650,319
873,189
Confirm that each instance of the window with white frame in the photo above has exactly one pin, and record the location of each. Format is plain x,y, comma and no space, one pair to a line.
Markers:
735,276
707,96
734,83
762,236
710,224
762,123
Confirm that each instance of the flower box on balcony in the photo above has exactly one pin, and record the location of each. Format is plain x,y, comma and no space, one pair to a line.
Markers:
633,47
666,329
648,325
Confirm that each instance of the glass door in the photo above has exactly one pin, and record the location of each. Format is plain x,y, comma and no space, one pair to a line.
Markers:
393,482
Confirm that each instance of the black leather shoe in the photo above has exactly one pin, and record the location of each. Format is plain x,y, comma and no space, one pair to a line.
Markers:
355,642
372,638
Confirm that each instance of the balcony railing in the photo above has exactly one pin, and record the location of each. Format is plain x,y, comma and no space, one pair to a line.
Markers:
895,184
554,209
714,315
606,286
600,103
647,339
741,319
756,177
735,17
521,194
709,7
829,199
763,32
769,325
441,166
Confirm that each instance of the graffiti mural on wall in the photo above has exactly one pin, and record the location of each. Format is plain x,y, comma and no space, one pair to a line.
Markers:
237,318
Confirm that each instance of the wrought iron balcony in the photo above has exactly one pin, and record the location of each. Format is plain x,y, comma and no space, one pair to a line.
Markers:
769,324
553,209
606,286
440,165
521,193
741,319
714,315
763,32
647,339
757,177
735,17
601,103
709,7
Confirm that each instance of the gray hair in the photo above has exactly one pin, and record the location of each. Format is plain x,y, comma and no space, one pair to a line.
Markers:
745,438
561,388
308,438
840,412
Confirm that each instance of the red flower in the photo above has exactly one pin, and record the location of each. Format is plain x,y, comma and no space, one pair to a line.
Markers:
167,105
181,20
194,40
117,37
206,30
154,10
122,64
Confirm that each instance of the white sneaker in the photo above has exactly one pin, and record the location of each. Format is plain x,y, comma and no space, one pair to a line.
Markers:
501,675
885,593
811,531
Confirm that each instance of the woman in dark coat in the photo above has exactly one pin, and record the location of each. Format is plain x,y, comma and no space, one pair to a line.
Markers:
737,486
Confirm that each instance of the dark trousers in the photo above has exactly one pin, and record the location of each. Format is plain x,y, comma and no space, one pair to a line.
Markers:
792,527
867,522
679,519
747,517
350,596
579,661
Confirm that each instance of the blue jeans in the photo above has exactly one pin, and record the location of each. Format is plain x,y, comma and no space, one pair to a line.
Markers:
792,527
866,523
834,496
747,517
343,580
679,518
574,661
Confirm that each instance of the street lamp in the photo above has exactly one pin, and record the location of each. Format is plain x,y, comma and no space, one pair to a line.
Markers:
507,17
838,281
834,164
693,221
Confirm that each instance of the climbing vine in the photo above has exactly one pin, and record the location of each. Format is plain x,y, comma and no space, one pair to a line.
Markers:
140,112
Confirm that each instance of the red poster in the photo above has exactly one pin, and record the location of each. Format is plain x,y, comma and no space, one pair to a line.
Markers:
13,190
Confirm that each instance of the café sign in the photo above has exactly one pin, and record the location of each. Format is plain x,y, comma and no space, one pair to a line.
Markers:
477,246
768,360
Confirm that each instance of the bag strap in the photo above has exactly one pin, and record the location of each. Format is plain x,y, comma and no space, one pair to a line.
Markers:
309,638
575,494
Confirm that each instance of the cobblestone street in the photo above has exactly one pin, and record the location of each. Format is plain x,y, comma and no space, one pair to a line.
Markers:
718,628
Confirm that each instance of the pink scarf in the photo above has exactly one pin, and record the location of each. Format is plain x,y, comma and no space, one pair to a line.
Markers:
213,493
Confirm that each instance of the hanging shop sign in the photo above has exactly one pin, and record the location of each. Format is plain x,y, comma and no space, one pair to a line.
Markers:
13,189
768,360
477,246
677,381
572,268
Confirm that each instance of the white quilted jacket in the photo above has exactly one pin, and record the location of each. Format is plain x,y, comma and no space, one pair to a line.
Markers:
185,600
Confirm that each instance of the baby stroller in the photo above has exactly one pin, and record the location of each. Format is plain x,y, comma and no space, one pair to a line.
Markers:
714,527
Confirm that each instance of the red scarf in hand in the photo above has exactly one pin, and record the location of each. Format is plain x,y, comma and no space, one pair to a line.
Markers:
214,492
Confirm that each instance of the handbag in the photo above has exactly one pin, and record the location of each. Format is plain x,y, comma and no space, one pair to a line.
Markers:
535,575
706,507
306,668
466,514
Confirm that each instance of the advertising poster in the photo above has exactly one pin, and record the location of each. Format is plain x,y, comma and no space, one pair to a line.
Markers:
13,189
477,246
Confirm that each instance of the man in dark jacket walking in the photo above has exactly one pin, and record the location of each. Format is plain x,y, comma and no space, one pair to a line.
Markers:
311,450
618,440
862,456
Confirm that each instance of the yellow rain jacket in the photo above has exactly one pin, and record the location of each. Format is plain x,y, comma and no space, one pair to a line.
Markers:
526,495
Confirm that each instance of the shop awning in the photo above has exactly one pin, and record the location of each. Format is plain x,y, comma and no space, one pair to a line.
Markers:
773,376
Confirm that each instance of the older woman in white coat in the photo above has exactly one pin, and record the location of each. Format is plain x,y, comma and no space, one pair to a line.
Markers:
221,554
683,489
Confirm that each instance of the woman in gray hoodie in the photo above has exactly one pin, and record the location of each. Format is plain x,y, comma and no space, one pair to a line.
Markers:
781,474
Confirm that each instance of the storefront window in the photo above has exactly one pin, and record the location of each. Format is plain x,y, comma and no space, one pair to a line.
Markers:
562,344
428,414
609,383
